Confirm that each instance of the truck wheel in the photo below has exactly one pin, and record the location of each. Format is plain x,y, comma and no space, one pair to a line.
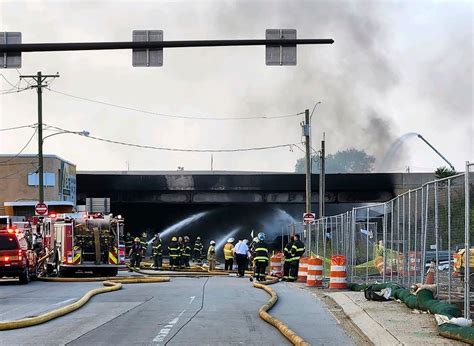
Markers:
25,277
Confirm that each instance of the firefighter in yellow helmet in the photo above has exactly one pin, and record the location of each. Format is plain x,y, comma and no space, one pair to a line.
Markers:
229,254
173,252
135,254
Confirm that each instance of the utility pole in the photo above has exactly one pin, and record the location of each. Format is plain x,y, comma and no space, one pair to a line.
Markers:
307,136
39,79
322,177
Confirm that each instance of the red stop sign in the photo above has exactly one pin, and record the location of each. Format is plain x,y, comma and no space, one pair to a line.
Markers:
41,209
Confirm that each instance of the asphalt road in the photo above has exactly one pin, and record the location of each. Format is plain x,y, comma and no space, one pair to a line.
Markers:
185,311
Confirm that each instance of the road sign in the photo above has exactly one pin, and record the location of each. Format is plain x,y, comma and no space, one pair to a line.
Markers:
309,217
147,57
13,59
41,209
280,55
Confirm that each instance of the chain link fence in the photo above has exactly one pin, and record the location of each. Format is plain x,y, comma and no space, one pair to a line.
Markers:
398,240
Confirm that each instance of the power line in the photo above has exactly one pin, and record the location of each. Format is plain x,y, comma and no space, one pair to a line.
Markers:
22,149
18,127
288,145
174,115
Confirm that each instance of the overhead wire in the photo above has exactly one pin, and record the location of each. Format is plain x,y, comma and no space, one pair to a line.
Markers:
18,127
177,116
22,149
289,145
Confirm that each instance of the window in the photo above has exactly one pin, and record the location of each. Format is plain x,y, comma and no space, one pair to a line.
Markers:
49,179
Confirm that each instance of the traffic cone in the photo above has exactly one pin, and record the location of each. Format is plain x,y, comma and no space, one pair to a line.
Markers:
430,275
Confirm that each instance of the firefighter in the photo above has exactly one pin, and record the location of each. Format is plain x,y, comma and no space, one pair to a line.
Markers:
135,254
229,254
180,252
261,257
173,252
297,250
144,243
128,242
157,252
186,251
197,250
211,255
287,264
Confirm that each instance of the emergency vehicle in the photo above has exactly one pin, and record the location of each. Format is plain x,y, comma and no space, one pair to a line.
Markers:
17,257
82,243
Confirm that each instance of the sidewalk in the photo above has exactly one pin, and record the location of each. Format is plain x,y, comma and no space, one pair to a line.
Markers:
386,323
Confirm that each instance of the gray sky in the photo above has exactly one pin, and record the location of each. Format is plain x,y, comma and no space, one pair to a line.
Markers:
395,67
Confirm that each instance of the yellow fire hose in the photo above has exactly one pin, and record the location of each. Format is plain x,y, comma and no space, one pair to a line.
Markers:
115,283
264,315
110,286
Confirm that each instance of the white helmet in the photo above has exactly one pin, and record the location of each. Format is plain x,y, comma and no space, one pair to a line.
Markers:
212,242
255,240
231,240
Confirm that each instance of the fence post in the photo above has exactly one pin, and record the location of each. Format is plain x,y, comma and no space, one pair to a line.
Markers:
391,240
425,229
409,237
436,234
415,219
467,305
449,241
384,240
367,249
353,226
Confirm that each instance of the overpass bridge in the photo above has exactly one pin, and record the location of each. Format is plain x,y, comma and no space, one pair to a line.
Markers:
217,204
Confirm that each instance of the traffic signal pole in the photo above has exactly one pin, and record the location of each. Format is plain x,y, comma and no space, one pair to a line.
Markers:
69,46
39,79
307,136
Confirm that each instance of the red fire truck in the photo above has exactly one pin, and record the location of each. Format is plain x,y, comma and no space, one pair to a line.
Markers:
82,243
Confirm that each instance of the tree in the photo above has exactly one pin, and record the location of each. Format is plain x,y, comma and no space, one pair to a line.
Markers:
444,172
344,161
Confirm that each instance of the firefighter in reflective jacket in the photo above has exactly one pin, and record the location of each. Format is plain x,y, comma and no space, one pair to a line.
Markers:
144,242
186,253
261,257
173,251
197,250
229,254
287,264
297,251
135,254
128,242
180,252
211,255
157,252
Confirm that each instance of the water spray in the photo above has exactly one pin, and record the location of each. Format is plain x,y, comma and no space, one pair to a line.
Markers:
224,239
181,224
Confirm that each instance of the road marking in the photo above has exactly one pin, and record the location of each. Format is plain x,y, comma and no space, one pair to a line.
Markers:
191,299
167,328
65,301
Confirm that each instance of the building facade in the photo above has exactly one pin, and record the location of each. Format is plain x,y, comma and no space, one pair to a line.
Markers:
19,187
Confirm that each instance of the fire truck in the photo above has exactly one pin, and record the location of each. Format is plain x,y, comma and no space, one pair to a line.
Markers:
82,243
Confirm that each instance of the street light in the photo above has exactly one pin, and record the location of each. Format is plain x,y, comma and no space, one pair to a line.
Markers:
40,157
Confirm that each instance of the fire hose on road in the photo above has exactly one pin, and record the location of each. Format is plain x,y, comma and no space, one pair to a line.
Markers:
115,283
111,284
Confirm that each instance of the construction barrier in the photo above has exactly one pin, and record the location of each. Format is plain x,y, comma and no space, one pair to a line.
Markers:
338,275
302,269
276,264
315,272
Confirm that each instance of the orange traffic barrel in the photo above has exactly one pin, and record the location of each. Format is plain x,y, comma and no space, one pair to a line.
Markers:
338,276
302,269
315,272
276,264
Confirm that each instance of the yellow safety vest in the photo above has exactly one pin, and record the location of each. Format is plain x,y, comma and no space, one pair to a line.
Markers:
228,253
